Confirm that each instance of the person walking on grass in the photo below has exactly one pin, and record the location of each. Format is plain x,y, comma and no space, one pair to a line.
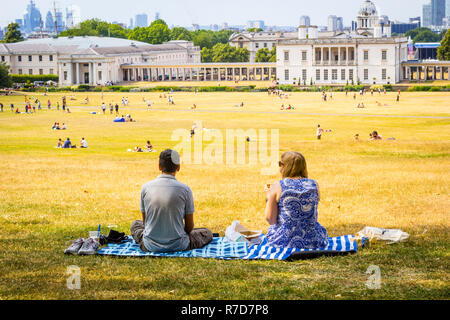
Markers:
103,107
1,107
111,108
167,208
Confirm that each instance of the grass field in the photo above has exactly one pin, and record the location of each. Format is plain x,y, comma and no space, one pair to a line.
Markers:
50,196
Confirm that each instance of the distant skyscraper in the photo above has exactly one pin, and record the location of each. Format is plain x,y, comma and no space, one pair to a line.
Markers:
437,12
32,18
157,16
332,23
73,16
426,15
447,8
141,20
305,21
131,26
340,23
49,22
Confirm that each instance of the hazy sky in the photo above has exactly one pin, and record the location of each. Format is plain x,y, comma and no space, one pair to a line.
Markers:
205,12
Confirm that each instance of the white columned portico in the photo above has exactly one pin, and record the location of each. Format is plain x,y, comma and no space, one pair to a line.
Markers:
94,73
91,72
77,78
61,76
70,73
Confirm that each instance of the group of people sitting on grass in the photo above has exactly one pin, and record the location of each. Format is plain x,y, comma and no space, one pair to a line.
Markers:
147,148
56,126
126,118
67,144
167,208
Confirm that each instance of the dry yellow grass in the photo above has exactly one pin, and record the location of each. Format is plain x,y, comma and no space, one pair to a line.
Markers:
49,196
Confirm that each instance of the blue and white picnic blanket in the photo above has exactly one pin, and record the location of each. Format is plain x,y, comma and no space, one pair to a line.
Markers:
221,248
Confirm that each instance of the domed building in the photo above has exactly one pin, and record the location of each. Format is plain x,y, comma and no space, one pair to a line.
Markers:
368,55
368,18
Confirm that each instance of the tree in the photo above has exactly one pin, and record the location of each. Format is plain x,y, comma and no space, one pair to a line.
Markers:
423,35
443,52
264,55
139,34
225,53
180,33
159,21
158,33
96,27
206,55
5,78
254,30
13,33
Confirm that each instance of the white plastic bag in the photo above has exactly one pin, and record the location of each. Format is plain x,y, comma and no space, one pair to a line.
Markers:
238,233
391,235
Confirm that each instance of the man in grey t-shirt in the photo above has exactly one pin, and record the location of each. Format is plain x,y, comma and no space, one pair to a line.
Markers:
167,208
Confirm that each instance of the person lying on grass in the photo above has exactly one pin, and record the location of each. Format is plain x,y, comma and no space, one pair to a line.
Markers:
165,203
291,208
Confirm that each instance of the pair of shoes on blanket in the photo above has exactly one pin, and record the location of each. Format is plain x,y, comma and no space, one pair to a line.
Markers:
113,237
83,247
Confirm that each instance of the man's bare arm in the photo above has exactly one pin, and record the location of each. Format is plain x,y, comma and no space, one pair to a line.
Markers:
188,223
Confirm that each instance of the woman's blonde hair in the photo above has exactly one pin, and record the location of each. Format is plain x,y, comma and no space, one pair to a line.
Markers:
293,165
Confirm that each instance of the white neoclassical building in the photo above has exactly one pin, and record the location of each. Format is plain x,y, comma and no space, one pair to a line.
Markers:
92,60
368,55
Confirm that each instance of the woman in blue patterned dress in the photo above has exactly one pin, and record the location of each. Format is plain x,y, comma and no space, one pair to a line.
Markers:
291,208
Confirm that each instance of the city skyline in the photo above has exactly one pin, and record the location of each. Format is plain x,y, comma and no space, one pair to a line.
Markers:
180,13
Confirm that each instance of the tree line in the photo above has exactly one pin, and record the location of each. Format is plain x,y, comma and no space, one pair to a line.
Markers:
214,44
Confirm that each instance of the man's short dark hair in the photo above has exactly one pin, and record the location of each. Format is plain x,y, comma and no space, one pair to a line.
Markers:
167,160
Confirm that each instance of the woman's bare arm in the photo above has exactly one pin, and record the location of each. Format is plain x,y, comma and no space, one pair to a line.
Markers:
273,197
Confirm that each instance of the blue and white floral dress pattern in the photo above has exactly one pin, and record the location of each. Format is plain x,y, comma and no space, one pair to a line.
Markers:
297,225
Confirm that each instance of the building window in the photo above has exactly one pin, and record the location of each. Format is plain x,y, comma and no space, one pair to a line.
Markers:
350,74
40,58
51,71
334,74
325,74
304,74
304,55
41,71
30,71
30,58
65,75
101,64
366,55
257,45
51,58
383,74
286,74
99,76
366,74
19,58
265,44
20,71
383,55
286,56
318,74
3,58
342,74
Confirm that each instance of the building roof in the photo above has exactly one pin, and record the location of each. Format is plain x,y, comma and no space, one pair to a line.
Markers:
88,46
85,42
